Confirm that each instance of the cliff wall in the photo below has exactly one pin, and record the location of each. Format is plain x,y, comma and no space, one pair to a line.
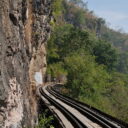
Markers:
24,30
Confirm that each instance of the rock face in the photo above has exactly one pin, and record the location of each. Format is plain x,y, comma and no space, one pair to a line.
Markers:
24,30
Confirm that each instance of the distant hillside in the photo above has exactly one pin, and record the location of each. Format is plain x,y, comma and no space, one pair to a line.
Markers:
78,15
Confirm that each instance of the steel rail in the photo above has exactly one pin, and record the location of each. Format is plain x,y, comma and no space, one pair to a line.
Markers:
88,114
74,121
94,115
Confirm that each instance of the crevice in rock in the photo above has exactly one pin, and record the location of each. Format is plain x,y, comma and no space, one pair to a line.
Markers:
13,19
10,51
3,103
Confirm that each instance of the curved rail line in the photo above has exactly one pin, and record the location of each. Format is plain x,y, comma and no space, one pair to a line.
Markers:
103,120
75,122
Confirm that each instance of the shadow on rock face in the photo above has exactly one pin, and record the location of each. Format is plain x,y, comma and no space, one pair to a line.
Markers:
13,19
3,103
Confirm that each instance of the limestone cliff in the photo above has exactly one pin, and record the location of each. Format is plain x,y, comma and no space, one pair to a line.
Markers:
24,30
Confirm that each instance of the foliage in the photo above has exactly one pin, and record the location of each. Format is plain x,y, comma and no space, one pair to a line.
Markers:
67,39
56,69
73,40
77,2
75,15
44,121
57,7
105,54
84,75
122,65
118,39
90,83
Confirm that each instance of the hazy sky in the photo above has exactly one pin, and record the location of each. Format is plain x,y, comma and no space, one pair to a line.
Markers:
114,11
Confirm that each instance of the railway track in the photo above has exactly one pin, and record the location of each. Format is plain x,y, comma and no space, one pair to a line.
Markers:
77,114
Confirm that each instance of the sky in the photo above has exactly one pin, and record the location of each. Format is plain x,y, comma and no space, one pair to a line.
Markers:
115,12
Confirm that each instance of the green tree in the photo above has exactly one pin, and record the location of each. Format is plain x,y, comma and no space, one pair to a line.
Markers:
85,77
67,39
122,65
100,22
106,54
57,7
57,10
56,69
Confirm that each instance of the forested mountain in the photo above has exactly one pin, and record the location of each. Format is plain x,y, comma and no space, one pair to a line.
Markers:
92,56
